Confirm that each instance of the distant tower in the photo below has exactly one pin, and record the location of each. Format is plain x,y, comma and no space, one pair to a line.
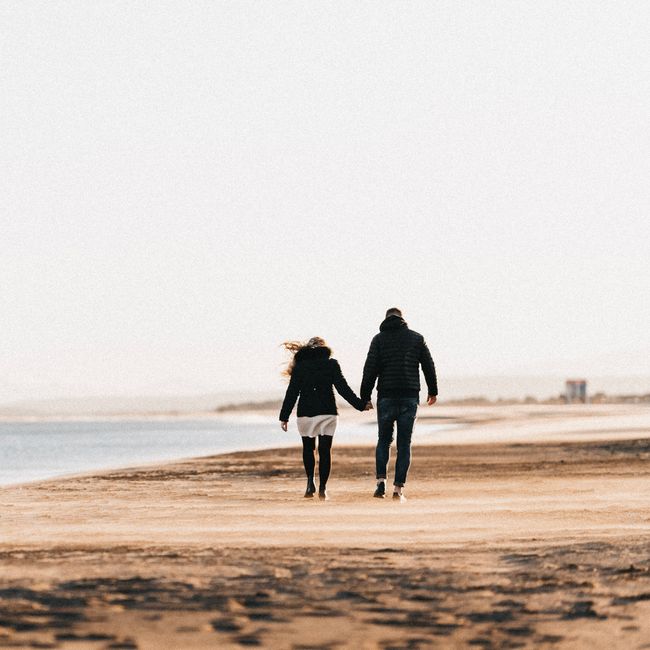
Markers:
576,391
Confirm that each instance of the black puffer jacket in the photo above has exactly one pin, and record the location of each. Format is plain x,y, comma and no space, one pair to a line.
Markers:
313,376
395,356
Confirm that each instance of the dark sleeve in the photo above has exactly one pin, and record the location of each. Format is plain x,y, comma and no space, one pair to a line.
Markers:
370,370
429,369
344,389
293,390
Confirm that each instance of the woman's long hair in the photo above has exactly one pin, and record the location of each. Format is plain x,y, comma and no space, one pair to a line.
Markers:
294,347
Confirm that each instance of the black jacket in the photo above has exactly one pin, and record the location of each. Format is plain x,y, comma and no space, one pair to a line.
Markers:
313,376
395,356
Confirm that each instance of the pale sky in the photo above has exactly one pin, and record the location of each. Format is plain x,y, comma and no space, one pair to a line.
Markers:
187,184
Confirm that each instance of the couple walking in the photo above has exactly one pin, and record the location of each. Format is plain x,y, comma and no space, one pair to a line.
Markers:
394,359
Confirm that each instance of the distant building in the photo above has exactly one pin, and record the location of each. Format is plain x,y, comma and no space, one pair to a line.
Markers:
576,391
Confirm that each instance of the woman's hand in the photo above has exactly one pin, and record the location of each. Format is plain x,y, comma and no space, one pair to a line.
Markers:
368,407
284,425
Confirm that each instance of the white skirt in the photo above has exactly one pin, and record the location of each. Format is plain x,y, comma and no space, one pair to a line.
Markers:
317,425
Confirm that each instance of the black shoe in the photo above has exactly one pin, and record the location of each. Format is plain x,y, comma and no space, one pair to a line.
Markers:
322,493
380,492
311,490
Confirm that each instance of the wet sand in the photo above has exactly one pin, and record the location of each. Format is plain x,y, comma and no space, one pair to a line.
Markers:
525,543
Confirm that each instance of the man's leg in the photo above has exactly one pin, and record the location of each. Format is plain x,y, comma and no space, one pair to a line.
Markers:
406,418
385,425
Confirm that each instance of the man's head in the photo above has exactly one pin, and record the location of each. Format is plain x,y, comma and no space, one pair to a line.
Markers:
394,311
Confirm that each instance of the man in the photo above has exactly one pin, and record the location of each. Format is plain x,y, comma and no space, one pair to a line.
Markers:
395,357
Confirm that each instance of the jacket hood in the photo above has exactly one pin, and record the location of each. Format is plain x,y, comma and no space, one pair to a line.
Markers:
313,354
392,323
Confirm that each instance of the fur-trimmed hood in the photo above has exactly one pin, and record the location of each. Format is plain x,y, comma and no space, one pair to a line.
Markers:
317,353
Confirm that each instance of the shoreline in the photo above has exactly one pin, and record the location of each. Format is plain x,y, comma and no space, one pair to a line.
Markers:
454,426
200,484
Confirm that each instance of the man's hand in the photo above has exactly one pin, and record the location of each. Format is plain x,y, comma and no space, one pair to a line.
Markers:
284,425
431,400
368,407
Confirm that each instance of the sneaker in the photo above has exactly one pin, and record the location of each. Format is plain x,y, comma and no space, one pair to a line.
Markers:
380,492
311,490
322,494
398,497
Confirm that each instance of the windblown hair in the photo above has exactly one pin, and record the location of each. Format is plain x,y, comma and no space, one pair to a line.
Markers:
296,346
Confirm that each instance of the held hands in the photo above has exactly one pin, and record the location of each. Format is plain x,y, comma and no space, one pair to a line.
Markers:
431,400
284,425
368,407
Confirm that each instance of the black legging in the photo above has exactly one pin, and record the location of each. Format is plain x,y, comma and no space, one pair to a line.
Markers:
324,457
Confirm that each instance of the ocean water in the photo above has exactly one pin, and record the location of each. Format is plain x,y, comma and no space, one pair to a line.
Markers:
31,451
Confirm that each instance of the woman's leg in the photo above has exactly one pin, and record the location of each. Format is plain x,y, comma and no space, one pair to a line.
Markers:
324,459
308,446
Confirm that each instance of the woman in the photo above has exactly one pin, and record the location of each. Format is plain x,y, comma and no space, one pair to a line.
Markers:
312,374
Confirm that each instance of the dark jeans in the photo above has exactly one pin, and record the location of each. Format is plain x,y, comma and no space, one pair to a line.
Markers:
389,411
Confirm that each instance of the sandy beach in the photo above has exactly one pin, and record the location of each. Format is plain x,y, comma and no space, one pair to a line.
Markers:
524,527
